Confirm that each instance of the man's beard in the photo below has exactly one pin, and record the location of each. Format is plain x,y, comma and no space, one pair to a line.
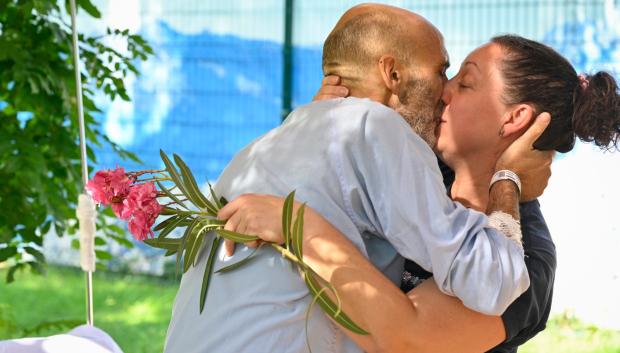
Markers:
417,107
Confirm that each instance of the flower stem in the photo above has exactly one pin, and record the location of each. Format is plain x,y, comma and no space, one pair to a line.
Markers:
147,171
154,179
287,254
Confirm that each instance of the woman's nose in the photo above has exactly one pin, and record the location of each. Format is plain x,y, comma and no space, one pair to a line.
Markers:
446,95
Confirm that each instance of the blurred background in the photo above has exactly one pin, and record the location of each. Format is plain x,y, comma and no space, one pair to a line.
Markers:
223,73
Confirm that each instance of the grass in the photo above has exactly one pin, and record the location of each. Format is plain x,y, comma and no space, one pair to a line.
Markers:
569,335
135,311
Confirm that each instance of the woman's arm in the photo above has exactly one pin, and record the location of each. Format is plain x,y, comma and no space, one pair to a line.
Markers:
425,320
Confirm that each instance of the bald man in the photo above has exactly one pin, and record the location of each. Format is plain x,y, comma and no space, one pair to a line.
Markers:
372,174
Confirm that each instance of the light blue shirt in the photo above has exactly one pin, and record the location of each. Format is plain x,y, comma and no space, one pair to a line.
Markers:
361,166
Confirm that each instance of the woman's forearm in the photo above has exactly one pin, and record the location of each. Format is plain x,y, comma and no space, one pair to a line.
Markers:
368,297
425,320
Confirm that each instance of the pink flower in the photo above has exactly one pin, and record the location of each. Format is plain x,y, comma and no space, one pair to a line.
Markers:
138,226
141,208
110,187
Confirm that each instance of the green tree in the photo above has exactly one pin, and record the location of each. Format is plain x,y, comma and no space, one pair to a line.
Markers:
40,176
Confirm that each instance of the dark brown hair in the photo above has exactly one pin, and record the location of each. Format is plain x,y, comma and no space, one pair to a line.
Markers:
536,74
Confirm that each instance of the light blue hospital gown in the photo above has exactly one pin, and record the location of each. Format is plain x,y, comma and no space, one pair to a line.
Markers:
361,166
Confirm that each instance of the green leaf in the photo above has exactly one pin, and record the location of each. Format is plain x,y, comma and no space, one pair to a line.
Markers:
209,224
170,252
163,224
206,278
46,227
298,233
103,255
36,267
236,237
180,251
122,240
197,246
192,187
108,212
170,195
35,253
10,275
287,218
214,197
240,263
99,241
191,248
164,243
172,226
116,229
328,306
169,211
307,319
8,252
174,174
89,7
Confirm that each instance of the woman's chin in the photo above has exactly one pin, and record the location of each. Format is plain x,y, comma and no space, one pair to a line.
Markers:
442,148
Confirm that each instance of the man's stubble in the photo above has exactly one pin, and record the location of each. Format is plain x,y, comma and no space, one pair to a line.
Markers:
419,109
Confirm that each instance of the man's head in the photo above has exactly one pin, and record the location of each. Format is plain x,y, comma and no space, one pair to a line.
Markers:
392,56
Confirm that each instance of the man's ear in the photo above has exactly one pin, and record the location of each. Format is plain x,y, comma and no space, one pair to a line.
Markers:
390,73
517,120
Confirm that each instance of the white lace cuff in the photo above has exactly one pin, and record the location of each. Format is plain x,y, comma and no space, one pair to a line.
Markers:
506,224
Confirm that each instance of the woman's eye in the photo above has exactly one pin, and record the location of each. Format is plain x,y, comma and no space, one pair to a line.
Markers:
463,86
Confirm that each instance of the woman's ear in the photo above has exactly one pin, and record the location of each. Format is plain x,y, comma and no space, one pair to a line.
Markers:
517,120
390,73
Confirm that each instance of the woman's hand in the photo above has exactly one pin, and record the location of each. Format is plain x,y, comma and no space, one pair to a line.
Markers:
254,214
532,166
330,88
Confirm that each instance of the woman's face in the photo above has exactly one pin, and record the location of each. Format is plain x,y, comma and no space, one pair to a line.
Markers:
472,119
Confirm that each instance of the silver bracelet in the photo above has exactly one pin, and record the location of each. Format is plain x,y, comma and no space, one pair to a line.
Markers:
506,175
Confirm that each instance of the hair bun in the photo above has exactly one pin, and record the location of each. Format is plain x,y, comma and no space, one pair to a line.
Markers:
596,115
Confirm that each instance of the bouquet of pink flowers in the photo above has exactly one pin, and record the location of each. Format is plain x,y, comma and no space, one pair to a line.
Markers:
131,199
134,196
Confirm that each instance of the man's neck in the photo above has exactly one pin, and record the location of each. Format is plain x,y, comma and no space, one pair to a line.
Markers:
370,86
374,95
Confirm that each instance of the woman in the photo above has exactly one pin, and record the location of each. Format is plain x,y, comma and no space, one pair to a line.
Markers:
500,87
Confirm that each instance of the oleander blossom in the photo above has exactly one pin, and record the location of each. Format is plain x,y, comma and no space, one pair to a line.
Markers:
141,208
130,200
110,187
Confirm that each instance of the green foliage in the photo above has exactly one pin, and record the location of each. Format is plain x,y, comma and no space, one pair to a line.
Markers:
39,144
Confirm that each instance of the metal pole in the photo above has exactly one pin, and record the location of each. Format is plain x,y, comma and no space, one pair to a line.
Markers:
287,60
80,110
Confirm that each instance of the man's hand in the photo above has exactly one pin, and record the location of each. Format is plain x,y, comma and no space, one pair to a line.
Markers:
253,214
532,166
330,88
